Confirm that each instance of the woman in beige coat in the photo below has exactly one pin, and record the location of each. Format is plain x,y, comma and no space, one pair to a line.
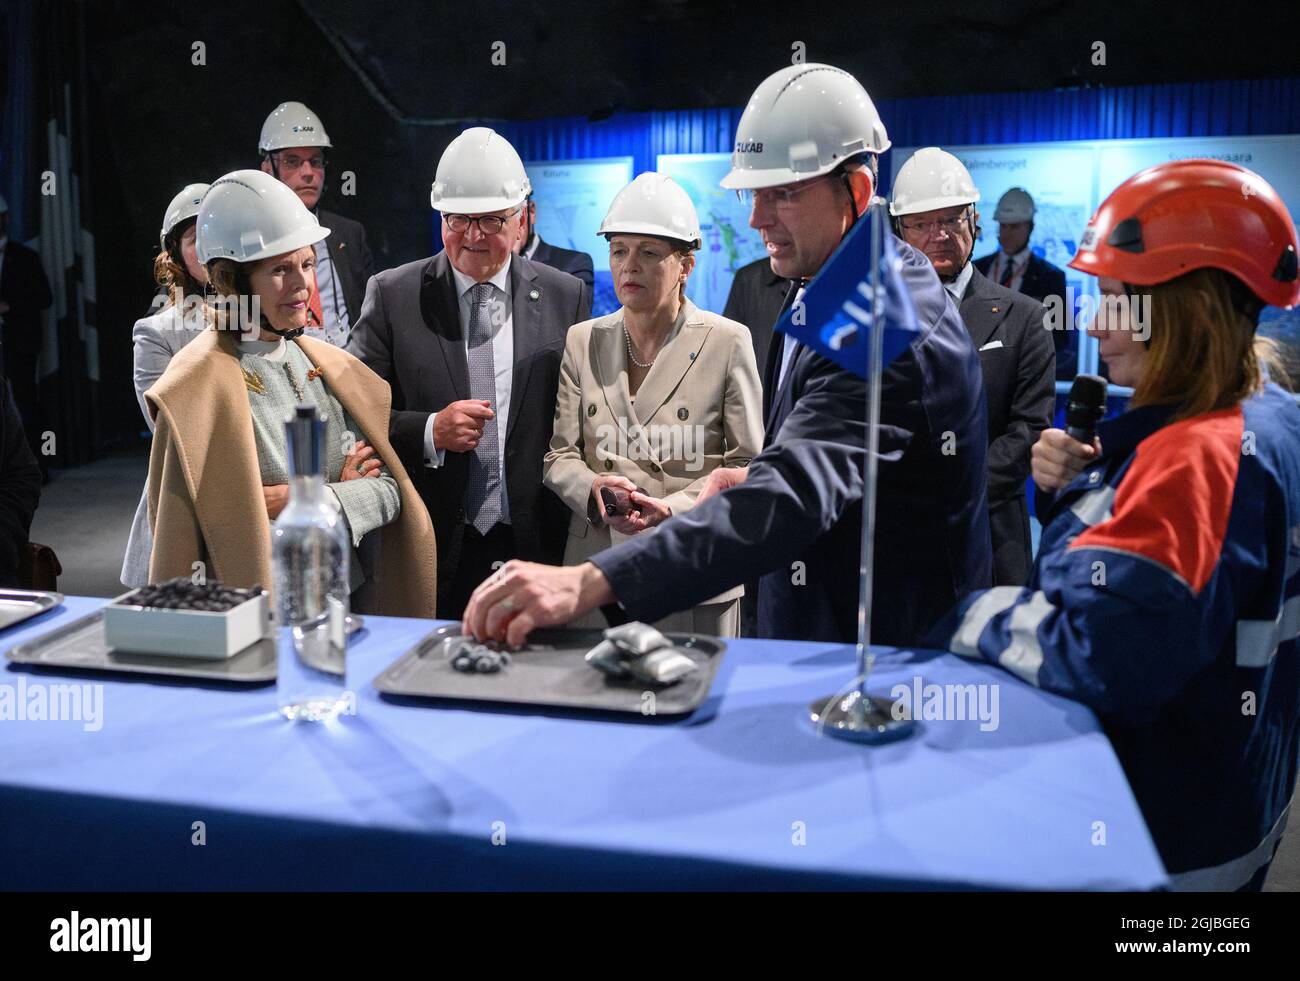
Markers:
218,470
652,397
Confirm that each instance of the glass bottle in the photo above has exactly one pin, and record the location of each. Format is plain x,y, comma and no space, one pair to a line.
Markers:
309,563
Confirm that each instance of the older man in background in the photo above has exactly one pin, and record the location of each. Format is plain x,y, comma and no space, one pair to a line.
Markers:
293,146
933,205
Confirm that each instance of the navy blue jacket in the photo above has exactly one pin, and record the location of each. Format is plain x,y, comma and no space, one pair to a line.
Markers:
1166,598
566,260
797,519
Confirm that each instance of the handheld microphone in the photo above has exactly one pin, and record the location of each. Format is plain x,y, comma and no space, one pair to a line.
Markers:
1086,406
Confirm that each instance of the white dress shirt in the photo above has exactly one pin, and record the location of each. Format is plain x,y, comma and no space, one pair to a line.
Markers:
956,287
1018,263
332,305
788,344
503,361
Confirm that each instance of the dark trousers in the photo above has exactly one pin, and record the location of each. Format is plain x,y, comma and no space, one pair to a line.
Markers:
749,610
480,556
22,381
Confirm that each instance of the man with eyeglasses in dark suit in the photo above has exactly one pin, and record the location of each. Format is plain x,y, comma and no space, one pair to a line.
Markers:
471,341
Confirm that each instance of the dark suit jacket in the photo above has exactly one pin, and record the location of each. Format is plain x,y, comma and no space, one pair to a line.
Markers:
20,488
24,287
566,260
350,253
797,518
410,334
1019,369
1041,280
756,298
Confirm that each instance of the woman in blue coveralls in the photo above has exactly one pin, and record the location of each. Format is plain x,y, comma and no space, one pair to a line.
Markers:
1166,592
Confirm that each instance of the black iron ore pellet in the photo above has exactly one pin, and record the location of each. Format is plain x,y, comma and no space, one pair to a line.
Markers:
183,594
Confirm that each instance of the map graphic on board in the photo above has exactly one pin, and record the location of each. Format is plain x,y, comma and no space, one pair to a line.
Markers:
1069,179
572,197
728,241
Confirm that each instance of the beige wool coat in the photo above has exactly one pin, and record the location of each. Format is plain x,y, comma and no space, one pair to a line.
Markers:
699,408
205,489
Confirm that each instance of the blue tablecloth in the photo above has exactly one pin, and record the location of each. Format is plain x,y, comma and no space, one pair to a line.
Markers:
741,795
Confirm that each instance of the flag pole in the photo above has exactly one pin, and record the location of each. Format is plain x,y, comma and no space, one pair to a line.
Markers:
866,570
857,716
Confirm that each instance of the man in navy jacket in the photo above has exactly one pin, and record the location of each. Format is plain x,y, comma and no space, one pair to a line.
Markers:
794,514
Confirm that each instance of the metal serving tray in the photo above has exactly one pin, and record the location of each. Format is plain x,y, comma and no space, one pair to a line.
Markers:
17,605
551,672
80,645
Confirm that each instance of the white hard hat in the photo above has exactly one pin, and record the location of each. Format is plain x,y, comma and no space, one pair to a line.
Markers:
249,215
802,122
931,179
184,205
1014,206
653,204
291,124
479,172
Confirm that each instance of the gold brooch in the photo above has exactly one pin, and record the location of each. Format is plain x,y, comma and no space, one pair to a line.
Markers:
254,382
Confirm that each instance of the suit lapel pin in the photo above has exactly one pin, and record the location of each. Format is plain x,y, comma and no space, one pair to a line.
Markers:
534,294
994,310
693,353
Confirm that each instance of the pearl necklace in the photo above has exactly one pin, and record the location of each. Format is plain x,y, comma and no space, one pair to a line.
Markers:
631,355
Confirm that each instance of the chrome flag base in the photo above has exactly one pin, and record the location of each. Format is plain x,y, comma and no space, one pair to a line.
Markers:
859,720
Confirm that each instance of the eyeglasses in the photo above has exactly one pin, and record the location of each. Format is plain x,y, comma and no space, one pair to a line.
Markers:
928,228
293,161
777,197
487,224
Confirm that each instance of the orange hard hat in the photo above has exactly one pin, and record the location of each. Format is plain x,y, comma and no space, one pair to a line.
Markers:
1192,214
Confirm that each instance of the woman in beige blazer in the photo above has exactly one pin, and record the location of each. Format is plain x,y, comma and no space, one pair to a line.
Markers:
653,397
218,469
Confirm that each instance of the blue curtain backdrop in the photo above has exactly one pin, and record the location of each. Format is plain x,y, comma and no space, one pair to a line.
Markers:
1244,108
1241,108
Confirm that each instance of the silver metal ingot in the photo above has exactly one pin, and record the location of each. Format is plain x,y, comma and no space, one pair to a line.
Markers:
608,658
637,637
662,667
